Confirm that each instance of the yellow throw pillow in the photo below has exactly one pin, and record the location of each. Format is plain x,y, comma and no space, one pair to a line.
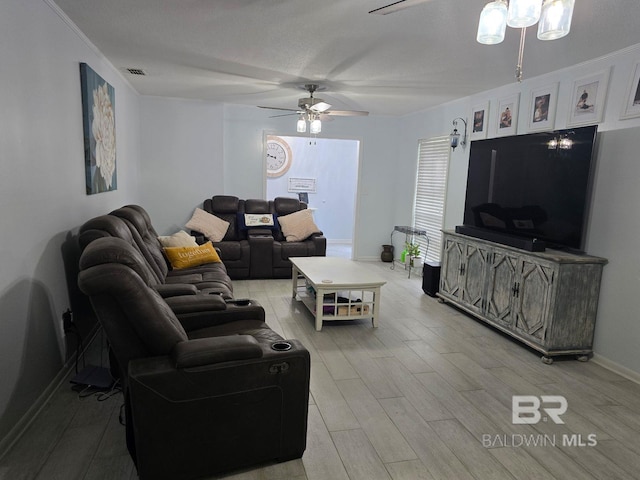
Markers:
298,226
185,257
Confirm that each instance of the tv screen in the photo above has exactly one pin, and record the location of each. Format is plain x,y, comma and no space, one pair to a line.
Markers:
534,186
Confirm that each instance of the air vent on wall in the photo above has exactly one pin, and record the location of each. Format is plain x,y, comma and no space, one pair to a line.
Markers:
136,71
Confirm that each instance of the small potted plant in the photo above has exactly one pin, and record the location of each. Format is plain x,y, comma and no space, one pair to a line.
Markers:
413,251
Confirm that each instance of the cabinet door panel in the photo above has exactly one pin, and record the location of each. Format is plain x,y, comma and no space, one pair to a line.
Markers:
473,279
502,278
452,261
532,300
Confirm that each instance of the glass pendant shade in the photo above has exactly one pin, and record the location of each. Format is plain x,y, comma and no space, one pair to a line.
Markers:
523,13
316,126
301,126
555,20
493,23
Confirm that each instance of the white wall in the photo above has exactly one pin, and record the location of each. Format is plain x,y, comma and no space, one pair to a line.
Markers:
182,158
333,163
42,189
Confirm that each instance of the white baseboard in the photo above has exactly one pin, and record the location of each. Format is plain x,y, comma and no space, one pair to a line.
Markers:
616,368
339,241
30,415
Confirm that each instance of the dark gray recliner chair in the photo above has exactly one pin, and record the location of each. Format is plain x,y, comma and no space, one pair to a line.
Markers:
198,401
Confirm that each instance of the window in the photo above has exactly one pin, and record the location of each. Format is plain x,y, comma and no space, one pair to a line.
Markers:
431,189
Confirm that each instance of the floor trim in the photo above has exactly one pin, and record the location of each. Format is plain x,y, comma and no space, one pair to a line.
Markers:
30,415
616,368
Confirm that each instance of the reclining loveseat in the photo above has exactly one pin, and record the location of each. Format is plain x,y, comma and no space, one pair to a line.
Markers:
205,393
260,251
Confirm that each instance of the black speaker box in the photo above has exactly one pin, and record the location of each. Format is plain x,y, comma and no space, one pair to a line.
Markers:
431,278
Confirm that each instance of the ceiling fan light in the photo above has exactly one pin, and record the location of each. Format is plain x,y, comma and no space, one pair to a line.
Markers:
315,127
493,23
301,126
523,13
555,20
320,106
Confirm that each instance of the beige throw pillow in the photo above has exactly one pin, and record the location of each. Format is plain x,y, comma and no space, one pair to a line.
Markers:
213,227
178,239
298,226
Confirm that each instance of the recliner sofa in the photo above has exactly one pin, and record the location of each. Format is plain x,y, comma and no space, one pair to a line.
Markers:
259,252
190,292
203,394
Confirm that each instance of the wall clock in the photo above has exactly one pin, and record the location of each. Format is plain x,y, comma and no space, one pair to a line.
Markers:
279,156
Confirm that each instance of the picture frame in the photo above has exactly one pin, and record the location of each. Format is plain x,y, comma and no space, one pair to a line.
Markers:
588,99
631,106
542,108
99,131
506,116
479,121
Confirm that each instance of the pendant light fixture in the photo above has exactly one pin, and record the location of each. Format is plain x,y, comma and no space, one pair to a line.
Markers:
553,17
301,126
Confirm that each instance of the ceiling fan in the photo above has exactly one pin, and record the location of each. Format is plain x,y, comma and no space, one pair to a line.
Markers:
313,107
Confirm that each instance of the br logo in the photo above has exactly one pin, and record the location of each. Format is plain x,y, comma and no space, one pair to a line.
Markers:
526,409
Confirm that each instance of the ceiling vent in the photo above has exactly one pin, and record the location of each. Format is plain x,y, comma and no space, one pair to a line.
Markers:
136,71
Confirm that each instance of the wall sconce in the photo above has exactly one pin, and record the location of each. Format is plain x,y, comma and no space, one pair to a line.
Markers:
455,136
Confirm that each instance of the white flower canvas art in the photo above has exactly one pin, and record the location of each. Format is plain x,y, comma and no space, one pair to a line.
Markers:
99,121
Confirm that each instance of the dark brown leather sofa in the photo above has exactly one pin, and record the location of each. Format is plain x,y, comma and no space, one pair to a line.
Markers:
250,252
190,291
205,393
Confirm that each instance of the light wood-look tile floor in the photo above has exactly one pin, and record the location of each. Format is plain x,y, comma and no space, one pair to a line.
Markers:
427,395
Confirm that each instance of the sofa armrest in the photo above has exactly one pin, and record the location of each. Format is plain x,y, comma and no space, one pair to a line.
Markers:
200,302
167,290
206,351
261,261
193,318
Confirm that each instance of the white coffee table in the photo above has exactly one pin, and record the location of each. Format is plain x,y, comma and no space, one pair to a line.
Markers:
332,286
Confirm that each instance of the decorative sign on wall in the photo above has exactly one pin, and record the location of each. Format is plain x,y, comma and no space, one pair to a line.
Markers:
99,121
302,185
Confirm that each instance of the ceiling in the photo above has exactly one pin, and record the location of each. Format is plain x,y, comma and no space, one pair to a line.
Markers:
258,52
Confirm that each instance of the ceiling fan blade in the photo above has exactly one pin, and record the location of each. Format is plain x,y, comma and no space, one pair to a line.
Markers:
347,113
396,6
278,108
285,115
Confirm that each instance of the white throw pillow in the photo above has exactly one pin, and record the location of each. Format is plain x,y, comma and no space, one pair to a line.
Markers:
178,239
213,227
298,226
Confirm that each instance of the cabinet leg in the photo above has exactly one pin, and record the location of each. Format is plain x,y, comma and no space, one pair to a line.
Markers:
547,360
582,358
440,300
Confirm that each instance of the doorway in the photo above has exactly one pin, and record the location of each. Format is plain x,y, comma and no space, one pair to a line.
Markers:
324,171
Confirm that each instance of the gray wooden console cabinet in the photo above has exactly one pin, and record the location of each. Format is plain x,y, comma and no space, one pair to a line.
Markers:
547,300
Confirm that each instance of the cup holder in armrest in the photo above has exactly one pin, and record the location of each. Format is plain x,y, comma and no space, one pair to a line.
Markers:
281,346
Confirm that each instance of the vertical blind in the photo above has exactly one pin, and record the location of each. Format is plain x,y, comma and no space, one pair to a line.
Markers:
431,189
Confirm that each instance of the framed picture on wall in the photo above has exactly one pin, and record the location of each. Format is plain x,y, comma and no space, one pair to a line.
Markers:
542,108
631,106
99,128
507,115
588,99
480,121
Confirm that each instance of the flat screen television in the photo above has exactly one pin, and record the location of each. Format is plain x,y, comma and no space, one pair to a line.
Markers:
534,187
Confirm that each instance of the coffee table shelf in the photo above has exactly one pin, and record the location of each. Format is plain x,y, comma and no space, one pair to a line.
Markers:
340,283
